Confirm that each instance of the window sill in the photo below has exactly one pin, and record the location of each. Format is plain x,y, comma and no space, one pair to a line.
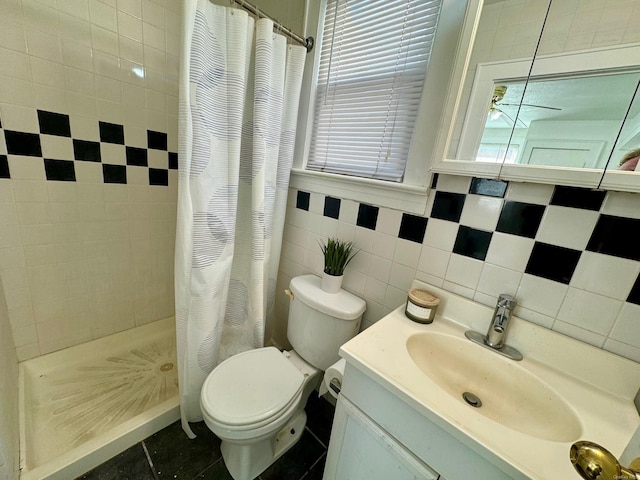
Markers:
407,198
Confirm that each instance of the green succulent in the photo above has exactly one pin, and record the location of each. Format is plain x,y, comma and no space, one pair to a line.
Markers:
337,255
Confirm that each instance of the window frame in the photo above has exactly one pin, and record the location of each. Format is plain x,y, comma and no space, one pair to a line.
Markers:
410,195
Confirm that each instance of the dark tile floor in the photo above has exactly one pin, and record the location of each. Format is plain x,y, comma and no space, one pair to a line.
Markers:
169,454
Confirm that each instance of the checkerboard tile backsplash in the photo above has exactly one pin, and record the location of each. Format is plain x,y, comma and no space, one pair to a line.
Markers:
60,152
561,250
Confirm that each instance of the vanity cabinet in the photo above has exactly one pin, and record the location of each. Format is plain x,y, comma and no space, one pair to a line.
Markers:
379,435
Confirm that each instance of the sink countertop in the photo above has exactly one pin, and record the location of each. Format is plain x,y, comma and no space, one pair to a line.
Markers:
598,386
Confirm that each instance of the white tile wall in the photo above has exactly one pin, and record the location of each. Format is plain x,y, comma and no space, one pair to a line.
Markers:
592,308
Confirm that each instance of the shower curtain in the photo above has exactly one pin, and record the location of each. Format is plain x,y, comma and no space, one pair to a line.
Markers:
239,100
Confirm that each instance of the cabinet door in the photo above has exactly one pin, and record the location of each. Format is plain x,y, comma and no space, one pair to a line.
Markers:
361,450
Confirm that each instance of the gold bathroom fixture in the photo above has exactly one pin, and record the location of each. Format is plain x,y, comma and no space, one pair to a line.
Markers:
594,462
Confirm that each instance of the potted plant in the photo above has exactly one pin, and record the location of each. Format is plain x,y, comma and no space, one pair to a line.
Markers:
337,255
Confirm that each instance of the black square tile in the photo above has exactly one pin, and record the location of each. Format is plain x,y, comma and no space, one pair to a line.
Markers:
217,471
174,455
173,161
331,207
522,219
297,461
61,170
434,180
156,140
111,133
21,143
578,197
54,123
471,242
552,262
302,200
448,206
615,236
137,156
157,176
114,173
320,417
317,471
4,167
488,187
367,216
130,464
412,228
86,151
634,295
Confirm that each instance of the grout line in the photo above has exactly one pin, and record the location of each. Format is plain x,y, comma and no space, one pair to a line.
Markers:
314,436
324,454
153,468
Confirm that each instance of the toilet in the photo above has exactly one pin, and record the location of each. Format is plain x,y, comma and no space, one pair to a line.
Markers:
254,401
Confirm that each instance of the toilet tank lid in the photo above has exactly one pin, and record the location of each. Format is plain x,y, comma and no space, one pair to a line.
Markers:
343,305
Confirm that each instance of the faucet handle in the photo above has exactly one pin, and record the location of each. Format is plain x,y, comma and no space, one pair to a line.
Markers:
506,300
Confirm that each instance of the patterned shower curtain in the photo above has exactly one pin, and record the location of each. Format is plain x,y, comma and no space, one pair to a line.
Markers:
239,100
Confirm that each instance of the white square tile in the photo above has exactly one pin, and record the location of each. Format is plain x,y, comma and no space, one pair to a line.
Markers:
113,154
153,14
12,37
129,26
441,234
346,231
78,8
79,81
541,295
375,290
82,106
429,279
75,29
62,191
401,276
89,172
16,91
407,253
621,204
529,193
578,333
158,159
153,36
496,280
43,45
104,40
434,261
453,183
14,64
389,221
56,147
132,7
458,289
624,350
605,274
47,73
103,15
535,317
394,297
481,212
131,50
26,168
464,271
383,245
28,191
22,119
354,282
627,326
50,98
567,227
33,213
509,251
379,269
589,311
360,261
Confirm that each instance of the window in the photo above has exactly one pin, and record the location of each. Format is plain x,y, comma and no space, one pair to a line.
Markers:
372,70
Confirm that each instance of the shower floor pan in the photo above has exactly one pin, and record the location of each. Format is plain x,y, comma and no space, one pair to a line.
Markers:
83,405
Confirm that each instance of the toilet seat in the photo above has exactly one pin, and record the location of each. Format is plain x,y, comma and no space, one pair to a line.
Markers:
259,386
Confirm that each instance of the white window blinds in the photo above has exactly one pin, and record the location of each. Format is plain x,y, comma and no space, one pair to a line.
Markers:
373,64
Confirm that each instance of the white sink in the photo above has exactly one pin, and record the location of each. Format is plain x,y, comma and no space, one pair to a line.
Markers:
532,411
509,394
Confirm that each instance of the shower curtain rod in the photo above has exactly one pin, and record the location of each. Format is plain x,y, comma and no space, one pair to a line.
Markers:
305,42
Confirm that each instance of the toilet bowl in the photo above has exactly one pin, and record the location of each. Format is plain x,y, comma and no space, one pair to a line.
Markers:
254,401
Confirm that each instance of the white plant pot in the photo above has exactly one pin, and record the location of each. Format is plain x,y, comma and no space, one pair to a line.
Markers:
331,283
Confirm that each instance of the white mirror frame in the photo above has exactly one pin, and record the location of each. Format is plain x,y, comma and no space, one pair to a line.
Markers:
620,57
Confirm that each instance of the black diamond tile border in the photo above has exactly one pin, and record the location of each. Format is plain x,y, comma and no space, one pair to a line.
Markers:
412,228
63,169
60,170
52,123
522,219
4,167
21,143
331,207
576,197
448,206
553,262
302,200
472,242
634,295
615,236
367,216
488,187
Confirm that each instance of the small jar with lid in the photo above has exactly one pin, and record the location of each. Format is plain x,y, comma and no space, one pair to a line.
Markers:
421,305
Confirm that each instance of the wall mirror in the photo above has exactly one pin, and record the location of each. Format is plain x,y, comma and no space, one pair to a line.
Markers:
548,100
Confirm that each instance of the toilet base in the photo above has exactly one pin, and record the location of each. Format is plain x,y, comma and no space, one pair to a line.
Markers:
246,462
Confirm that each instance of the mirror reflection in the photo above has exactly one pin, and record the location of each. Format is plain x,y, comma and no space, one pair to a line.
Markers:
569,112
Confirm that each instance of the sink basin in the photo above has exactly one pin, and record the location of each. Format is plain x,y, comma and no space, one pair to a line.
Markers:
510,395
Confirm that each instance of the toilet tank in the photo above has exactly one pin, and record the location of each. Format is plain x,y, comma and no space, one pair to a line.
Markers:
320,322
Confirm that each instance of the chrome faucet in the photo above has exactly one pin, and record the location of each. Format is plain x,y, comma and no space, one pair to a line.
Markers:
501,316
495,337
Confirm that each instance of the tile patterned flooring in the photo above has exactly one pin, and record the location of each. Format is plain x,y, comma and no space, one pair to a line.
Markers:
169,454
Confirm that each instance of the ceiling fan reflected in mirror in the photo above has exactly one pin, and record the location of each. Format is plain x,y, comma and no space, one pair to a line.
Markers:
496,113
